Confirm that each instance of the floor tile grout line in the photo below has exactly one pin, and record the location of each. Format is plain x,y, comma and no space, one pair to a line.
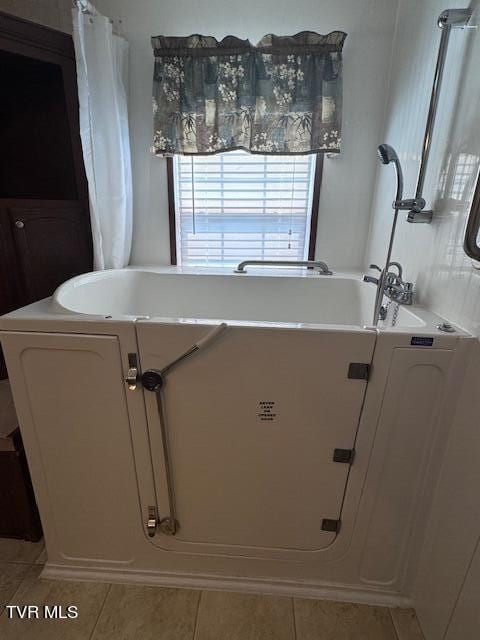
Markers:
294,620
41,551
94,628
28,562
10,598
397,637
18,564
30,567
196,615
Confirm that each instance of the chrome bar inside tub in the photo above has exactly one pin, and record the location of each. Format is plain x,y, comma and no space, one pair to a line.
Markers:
317,265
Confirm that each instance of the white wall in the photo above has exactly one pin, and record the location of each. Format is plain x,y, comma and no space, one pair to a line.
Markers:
446,281
432,255
348,180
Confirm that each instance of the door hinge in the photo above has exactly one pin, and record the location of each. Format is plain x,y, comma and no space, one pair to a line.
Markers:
132,373
331,525
359,371
344,455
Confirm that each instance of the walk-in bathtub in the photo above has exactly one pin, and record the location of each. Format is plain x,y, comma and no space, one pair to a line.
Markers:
262,296
294,453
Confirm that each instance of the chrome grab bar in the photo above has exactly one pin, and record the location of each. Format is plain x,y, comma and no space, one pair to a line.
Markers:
448,20
154,380
317,265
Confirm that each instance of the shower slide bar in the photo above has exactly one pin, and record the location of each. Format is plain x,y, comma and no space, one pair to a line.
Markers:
447,20
85,6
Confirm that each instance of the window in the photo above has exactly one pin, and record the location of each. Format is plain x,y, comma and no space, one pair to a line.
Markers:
234,206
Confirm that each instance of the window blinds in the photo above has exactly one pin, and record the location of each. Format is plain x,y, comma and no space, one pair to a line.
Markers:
236,206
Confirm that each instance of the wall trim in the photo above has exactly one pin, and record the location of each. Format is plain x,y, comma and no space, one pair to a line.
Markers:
35,34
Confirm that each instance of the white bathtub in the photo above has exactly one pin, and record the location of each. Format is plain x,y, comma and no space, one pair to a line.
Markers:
290,437
260,296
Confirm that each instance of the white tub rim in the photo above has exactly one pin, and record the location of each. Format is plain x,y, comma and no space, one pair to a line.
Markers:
429,321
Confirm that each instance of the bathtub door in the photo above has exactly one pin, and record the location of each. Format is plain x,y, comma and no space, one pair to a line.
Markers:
253,422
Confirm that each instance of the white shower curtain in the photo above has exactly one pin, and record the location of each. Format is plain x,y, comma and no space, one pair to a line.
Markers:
102,59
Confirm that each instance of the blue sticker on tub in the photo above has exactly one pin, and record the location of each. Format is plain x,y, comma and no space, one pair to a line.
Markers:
421,341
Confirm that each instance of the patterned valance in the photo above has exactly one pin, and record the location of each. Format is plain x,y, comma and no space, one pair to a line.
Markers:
283,96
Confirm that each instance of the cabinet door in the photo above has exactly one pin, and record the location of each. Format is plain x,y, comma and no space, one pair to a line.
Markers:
52,245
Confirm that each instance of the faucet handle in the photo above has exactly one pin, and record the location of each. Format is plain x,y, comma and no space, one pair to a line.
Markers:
399,268
376,267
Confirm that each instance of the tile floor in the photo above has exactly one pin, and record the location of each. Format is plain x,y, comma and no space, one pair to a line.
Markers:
121,612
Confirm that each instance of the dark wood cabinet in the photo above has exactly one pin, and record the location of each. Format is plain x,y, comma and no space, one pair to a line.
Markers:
45,235
19,516
53,235
9,298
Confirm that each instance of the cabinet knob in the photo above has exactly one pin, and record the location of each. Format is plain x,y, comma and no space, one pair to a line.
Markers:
19,224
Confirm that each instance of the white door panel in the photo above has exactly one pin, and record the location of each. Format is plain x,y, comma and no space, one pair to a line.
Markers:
253,421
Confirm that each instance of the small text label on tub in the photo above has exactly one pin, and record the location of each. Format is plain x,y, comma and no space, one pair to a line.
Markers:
421,341
266,410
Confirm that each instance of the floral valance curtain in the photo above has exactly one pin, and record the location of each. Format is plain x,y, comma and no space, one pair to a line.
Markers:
283,96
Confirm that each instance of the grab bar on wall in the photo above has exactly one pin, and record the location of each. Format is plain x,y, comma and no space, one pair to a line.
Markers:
447,20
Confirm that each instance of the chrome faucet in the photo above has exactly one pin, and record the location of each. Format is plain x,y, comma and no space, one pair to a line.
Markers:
398,290
389,283
317,265
392,285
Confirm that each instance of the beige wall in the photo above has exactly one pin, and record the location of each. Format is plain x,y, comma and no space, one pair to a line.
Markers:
51,13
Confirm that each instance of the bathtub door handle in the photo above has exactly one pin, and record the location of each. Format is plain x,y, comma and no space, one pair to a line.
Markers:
132,378
211,336
152,380
132,374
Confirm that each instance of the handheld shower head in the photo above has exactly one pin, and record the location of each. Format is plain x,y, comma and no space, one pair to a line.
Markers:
387,154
